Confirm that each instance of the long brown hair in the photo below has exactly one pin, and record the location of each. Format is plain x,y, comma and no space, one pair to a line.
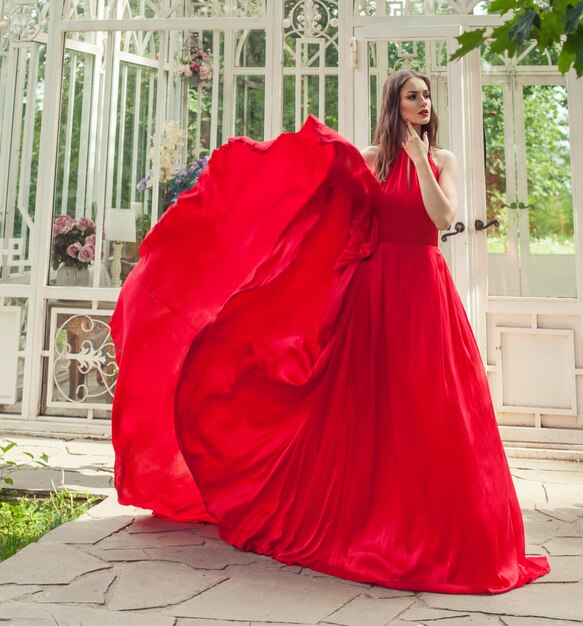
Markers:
389,128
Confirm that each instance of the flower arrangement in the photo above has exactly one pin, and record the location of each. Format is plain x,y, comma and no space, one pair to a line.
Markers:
174,178
172,139
196,64
73,241
184,179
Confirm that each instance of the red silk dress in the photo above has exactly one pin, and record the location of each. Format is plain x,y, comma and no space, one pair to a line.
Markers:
297,367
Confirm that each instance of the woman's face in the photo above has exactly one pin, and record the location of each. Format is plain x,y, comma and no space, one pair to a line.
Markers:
415,102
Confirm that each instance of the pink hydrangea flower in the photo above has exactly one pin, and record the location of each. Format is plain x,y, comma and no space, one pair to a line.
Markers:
86,253
91,240
84,223
63,224
205,72
73,249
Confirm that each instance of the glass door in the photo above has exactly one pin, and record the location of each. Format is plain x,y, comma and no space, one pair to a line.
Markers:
529,192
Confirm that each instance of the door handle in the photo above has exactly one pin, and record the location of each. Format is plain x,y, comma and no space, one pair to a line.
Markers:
481,226
458,228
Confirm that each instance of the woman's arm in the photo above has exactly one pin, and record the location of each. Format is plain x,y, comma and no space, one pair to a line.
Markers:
439,198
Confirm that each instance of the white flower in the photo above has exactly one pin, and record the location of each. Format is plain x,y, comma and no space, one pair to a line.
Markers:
171,140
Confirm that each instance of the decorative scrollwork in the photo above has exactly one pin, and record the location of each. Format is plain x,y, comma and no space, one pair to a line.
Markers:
309,18
26,21
83,345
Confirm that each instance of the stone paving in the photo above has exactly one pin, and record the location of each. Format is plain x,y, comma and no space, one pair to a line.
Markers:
120,566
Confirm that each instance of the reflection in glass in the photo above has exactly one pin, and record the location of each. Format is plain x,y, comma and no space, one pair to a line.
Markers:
528,176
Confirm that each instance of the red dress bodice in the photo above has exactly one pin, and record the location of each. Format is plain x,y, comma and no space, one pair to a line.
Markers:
401,213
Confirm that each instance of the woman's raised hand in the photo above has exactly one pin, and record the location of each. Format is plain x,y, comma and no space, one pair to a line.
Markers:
414,146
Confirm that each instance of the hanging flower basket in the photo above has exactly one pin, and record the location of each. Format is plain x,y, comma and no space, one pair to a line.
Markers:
195,65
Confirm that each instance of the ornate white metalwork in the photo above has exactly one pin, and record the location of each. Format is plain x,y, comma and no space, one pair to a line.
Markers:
83,344
26,21
309,18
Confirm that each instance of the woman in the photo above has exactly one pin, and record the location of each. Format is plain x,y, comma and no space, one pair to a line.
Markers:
296,364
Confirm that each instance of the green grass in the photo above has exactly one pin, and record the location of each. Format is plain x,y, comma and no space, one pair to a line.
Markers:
24,519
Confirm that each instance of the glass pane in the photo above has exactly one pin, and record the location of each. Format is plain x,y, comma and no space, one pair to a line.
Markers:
310,59
250,106
395,8
495,167
227,8
547,240
249,87
528,177
21,103
548,166
74,240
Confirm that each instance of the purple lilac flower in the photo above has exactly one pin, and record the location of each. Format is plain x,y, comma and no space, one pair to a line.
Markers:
143,184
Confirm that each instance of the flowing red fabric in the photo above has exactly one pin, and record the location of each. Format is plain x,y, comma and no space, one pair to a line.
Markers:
296,365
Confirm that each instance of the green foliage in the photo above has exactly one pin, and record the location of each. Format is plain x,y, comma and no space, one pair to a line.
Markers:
8,466
552,24
548,172
24,520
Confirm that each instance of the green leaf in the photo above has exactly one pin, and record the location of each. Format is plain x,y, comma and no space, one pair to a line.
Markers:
501,41
578,64
29,454
502,6
522,28
572,17
10,445
551,28
565,61
8,481
44,456
468,41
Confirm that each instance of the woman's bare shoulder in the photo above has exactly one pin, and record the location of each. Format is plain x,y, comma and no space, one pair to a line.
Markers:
370,155
441,156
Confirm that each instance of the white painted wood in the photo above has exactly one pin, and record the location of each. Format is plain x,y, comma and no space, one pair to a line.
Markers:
9,340
536,371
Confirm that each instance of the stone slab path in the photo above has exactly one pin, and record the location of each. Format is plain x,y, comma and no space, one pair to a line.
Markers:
120,566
